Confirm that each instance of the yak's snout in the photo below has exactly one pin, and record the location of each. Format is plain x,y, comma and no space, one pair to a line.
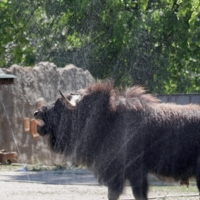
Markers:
38,117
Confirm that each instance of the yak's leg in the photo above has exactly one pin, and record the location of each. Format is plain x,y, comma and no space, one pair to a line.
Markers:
115,188
115,179
139,184
113,194
198,175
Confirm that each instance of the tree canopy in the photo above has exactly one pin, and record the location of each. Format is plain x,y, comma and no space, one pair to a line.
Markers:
153,43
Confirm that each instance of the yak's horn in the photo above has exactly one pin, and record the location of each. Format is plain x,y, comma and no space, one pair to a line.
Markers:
67,102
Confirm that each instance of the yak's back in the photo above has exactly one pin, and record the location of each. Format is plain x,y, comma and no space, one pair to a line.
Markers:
101,94
136,98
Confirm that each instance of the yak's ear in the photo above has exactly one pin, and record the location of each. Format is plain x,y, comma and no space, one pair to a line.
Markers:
67,102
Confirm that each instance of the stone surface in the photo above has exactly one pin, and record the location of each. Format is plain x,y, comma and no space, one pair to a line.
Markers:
18,101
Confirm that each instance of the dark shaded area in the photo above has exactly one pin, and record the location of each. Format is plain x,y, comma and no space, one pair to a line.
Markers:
70,177
60,177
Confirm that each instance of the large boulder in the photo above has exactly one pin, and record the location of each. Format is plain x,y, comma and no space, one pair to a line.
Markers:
17,101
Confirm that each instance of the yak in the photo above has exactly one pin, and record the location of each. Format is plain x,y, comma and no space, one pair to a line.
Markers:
124,136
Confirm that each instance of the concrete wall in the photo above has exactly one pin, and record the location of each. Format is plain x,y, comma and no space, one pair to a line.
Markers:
180,98
17,101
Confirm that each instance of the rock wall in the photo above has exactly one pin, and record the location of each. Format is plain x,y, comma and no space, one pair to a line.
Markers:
18,101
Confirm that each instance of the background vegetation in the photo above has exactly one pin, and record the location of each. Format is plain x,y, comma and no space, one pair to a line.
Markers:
154,43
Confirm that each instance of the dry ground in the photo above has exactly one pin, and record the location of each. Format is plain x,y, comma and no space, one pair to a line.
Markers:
35,191
75,185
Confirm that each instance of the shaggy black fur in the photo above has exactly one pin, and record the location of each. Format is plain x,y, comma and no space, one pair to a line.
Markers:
125,137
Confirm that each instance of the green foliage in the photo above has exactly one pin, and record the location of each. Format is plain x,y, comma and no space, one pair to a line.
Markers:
148,42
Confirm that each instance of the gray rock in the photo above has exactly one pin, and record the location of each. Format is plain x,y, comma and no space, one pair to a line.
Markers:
18,101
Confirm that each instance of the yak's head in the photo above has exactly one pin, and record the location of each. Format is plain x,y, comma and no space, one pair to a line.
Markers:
55,119
50,117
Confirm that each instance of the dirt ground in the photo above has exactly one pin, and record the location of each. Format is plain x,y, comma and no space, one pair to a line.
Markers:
35,191
76,185
30,191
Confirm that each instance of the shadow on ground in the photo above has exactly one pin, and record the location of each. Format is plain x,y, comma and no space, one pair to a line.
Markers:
61,177
68,177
